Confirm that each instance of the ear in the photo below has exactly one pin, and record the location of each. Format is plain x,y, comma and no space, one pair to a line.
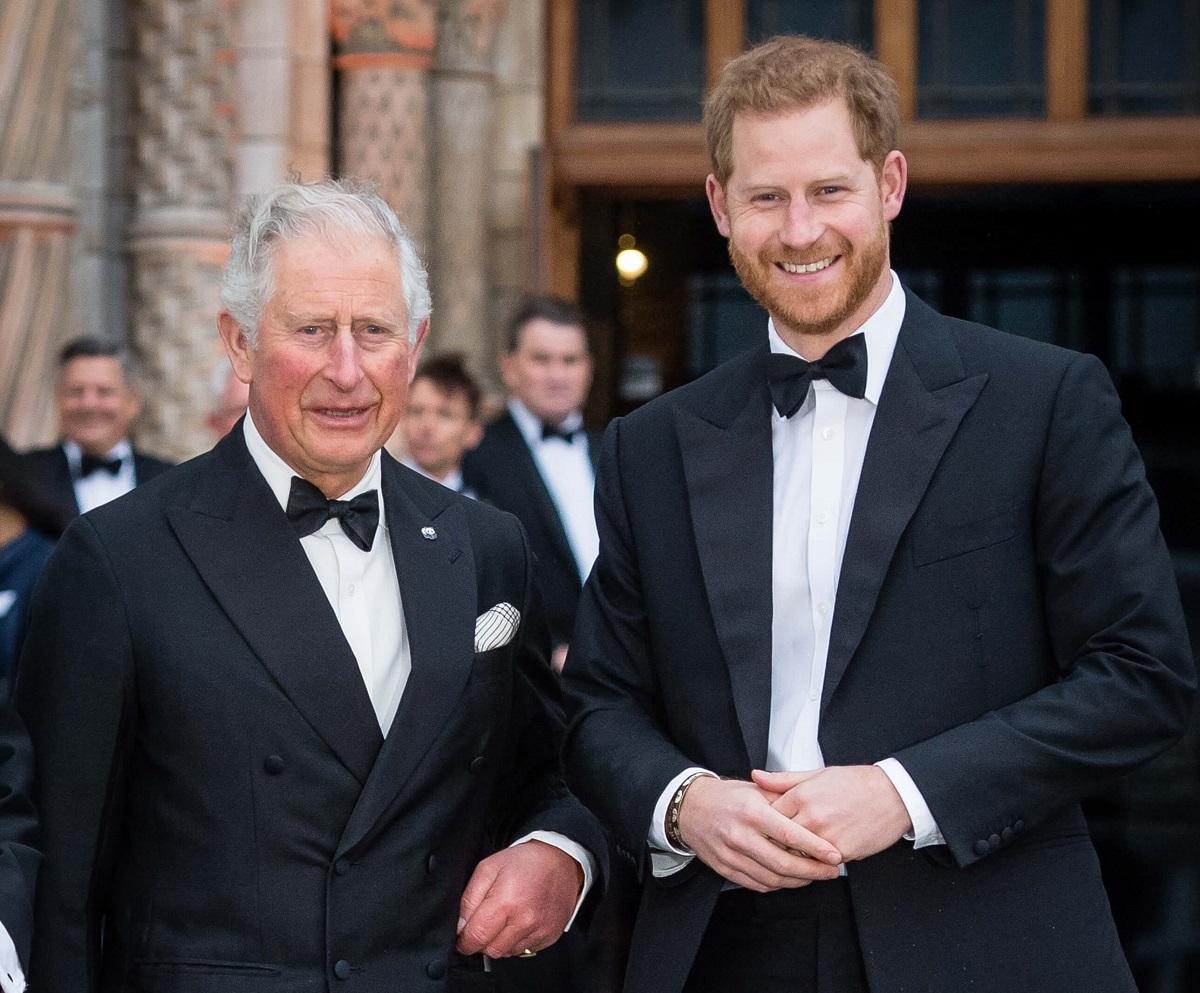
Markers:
414,353
237,346
716,203
474,435
893,181
508,370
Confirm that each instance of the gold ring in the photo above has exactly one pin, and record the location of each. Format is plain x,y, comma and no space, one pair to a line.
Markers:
527,954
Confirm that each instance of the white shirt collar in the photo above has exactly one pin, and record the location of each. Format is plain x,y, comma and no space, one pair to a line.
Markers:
121,450
453,480
531,427
278,473
881,330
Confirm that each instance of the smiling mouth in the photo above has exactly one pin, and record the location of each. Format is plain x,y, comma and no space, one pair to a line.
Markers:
798,268
340,414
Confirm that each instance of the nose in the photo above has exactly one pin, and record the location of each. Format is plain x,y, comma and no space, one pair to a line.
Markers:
344,369
801,226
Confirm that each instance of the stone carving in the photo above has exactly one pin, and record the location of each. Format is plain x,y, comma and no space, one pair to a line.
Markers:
183,193
379,26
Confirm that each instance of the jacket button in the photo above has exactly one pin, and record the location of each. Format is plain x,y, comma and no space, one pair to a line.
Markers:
341,867
431,863
478,763
1006,834
436,969
994,841
982,847
273,764
341,969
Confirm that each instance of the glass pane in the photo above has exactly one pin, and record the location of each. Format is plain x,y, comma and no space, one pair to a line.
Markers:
640,60
1145,57
723,320
1158,326
1043,304
981,59
837,20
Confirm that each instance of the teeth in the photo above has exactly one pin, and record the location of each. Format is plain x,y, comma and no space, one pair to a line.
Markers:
810,267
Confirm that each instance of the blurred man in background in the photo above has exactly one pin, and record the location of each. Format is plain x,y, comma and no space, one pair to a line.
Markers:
230,397
98,401
442,420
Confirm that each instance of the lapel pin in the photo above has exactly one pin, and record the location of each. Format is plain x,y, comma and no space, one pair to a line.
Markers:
428,533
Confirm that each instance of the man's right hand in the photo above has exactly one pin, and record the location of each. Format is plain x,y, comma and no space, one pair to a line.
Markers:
734,830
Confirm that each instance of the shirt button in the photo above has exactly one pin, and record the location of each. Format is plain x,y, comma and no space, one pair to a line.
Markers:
350,589
822,517
822,607
814,697
827,433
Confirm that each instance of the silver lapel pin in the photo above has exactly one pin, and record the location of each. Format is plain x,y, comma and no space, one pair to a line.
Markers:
428,533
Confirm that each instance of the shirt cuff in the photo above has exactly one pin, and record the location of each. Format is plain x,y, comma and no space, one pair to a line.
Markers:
925,831
12,979
666,858
572,848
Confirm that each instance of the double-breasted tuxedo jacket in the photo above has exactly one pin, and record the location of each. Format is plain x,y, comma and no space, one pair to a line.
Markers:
1006,625
220,810
49,466
502,471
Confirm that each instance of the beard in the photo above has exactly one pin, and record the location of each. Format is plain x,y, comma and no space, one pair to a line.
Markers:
814,310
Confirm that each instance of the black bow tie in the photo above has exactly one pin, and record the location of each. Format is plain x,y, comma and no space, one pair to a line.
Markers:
844,365
550,431
308,510
89,464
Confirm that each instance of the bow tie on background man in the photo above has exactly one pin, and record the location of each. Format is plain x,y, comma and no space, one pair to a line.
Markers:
308,510
89,464
844,365
550,431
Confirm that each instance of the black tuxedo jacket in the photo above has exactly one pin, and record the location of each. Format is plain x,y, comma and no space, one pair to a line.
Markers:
213,785
18,858
49,466
502,472
1007,625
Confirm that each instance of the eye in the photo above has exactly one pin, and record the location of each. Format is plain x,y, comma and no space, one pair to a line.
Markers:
310,329
829,190
765,198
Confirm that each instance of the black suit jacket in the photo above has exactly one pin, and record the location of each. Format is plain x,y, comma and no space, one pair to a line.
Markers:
1007,625
50,468
18,858
502,471
214,788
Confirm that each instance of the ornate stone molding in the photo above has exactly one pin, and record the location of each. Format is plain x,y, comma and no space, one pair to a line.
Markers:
384,27
183,193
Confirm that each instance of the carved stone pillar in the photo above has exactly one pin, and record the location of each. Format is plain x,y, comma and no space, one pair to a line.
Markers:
462,117
180,234
384,50
38,212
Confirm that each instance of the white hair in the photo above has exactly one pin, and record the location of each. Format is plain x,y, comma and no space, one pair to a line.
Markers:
328,208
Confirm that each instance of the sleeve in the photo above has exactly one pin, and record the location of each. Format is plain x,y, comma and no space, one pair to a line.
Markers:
530,796
619,758
18,858
75,691
1125,678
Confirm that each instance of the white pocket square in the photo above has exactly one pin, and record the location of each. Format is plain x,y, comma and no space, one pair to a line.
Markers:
496,627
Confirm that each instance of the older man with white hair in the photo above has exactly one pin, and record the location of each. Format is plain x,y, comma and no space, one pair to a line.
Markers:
294,723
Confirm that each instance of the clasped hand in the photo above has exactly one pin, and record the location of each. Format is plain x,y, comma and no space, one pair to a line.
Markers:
787,829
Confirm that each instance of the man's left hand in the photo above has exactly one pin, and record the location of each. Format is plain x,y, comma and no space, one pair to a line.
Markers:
519,899
855,807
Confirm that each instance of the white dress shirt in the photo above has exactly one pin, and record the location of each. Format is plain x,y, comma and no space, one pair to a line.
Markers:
566,469
452,481
364,592
100,487
818,457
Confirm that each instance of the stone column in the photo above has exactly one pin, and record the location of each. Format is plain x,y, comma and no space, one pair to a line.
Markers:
462,119
183,189
38,212
384,51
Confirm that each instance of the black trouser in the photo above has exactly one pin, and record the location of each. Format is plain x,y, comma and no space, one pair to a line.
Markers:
788,941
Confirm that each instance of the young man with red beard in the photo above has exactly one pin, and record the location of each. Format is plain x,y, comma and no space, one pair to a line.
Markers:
876,604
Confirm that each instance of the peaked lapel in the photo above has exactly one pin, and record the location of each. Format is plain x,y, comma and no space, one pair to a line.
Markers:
725,439
240,542
438,596
925,397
